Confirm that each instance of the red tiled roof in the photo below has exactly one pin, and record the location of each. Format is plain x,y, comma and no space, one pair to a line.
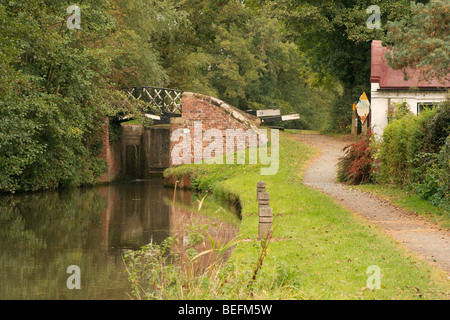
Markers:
394,79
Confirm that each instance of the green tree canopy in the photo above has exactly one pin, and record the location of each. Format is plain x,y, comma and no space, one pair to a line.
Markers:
422,40
52,93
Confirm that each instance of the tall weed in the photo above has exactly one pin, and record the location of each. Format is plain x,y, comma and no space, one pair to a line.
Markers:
175,271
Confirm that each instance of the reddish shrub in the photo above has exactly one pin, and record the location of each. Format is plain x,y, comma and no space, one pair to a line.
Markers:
357,165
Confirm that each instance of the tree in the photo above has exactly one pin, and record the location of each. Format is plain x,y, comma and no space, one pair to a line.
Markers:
151,34
52,94
422,41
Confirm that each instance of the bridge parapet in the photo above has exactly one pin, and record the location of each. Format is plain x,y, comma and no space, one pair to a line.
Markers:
219,114
157,100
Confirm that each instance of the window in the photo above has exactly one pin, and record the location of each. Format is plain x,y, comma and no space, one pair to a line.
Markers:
422,105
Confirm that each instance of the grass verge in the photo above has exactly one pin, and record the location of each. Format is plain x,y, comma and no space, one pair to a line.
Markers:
319,250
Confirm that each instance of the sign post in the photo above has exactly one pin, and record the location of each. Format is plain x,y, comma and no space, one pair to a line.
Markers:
354,122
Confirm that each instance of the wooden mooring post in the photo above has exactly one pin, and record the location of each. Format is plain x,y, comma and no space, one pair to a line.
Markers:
260,187
265,212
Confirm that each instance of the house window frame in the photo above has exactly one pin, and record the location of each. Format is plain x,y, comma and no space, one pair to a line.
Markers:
421,105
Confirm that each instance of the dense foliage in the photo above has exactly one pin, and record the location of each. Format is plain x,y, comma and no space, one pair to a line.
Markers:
51,94
415,149
415,154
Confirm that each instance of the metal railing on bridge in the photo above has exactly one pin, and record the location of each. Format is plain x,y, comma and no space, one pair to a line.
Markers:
159,101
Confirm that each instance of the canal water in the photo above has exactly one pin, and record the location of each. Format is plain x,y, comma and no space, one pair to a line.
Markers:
42,234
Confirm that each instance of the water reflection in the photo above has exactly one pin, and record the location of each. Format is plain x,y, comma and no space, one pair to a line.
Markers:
43,234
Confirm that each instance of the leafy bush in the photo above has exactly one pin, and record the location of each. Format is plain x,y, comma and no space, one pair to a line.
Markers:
357,165
433,183
398,111
415,154
437,129
53,94
402,141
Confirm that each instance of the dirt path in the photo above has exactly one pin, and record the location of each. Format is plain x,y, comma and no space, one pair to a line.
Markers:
419,235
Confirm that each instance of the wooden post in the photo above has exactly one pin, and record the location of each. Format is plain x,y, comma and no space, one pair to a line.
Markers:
260,187
354,122
265,214
365,128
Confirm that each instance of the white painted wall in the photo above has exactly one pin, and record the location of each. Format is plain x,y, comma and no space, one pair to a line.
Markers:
381,100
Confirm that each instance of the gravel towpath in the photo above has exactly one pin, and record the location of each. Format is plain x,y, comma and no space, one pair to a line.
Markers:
416,233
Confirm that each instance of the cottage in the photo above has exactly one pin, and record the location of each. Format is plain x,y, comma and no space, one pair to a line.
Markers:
390,86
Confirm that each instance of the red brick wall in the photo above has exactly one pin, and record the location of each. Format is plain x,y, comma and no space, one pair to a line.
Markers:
213,114
111,154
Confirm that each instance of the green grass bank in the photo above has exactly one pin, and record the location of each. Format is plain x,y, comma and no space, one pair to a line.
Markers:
319,250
